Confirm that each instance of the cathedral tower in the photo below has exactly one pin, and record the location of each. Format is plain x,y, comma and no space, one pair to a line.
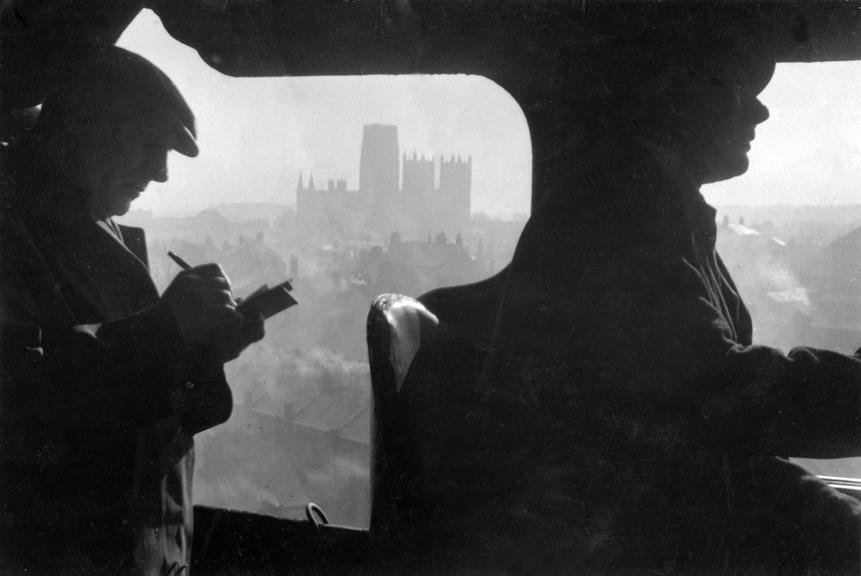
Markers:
455,190
418,176
378,166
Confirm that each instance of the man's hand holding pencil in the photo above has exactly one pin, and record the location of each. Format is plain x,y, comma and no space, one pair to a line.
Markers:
210,321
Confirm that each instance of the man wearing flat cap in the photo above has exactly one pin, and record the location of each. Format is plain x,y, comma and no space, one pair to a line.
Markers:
619,419
104,382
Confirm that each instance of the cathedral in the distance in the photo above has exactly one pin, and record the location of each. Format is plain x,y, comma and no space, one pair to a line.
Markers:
397,193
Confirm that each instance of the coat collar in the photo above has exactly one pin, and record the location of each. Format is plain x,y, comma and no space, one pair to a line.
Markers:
99,275
104,271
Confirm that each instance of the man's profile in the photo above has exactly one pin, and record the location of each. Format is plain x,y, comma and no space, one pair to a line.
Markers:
623,421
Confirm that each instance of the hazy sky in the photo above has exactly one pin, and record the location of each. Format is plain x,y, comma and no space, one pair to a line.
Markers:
256,134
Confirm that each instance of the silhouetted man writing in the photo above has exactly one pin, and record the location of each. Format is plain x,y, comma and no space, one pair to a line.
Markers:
624,421
104,382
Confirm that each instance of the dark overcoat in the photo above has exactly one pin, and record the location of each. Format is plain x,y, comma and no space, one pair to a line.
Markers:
618,418
100,398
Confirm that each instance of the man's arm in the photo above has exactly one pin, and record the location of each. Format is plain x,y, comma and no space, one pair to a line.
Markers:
134,371
639,337
752,398
116,374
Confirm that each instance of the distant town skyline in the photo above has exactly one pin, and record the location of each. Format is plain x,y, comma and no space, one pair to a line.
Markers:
256,134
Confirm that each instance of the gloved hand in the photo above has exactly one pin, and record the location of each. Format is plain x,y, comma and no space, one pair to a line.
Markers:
201,301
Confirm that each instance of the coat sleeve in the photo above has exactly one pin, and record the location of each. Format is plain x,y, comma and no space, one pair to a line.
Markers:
745,398
133,371
113,375
638,341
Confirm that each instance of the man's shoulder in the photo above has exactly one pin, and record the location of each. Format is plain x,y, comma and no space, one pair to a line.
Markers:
603,236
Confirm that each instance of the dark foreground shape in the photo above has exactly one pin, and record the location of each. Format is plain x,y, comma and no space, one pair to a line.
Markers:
228,542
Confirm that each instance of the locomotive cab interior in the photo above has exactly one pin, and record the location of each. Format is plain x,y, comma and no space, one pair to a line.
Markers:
514,43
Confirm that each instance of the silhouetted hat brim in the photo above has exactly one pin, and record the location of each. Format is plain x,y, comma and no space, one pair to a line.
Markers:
622,44
107,81
180,138
186,144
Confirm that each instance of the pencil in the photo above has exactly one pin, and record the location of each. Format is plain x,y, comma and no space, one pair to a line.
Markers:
182,263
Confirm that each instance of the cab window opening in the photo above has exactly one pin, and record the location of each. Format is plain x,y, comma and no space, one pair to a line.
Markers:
350,187
301,428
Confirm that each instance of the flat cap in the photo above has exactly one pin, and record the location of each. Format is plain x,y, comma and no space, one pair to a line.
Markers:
105,81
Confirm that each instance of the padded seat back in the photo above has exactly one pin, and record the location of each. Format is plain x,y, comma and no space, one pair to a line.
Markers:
396,327
449,331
